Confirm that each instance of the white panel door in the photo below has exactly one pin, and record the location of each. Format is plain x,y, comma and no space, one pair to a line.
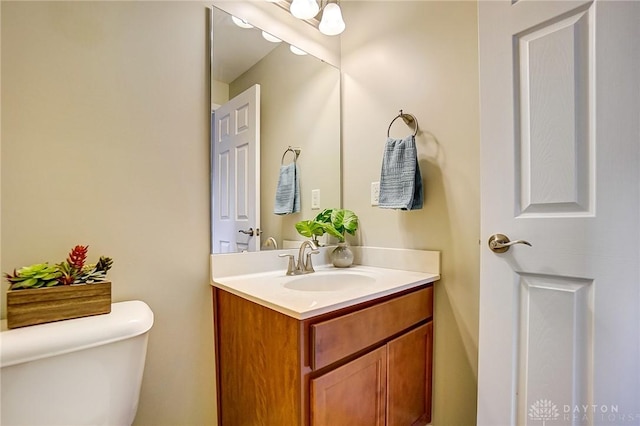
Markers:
560,105
236,174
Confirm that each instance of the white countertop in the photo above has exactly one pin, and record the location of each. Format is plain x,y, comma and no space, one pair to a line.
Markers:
268,288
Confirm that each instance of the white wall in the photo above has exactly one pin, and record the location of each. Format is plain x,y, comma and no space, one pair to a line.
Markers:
421,56
105,142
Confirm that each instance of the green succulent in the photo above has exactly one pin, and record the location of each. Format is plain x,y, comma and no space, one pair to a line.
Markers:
34,276
73,270
92,273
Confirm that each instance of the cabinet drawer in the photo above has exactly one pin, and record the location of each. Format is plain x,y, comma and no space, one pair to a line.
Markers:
337,338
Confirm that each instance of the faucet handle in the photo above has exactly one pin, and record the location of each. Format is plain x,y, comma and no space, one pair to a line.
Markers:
308,265
290,267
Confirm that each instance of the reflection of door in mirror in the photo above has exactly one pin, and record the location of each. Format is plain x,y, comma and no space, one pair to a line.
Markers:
235,184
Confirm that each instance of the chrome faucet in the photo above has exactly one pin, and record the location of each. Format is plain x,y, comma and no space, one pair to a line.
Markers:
304,265
270,244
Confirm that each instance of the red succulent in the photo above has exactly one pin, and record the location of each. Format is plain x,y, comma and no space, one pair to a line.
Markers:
70,270
77,257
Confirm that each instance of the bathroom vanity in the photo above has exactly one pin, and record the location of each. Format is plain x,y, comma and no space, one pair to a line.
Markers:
356,354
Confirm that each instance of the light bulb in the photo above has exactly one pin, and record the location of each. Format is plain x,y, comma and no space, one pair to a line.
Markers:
304,9
297,50
269,37
332,22
241,22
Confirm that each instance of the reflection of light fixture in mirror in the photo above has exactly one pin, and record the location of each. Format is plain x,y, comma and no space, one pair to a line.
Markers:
304,9
332,22
297,50
241,22
270,38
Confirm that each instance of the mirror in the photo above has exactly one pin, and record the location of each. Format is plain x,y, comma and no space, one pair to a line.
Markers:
299,107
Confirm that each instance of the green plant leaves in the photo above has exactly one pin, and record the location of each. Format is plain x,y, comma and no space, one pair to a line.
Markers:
344,221
34,276
309,228
71,271
324,216
335,222
331,230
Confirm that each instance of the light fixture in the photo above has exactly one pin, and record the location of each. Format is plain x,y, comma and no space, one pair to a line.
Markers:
297,50
304,9
332,22
241,22
269,37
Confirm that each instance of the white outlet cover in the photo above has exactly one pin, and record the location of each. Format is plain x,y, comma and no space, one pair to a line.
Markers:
375,193
315,199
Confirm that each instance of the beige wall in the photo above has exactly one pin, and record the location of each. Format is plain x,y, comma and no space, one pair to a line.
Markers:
300,106
422,57
105,142
219,92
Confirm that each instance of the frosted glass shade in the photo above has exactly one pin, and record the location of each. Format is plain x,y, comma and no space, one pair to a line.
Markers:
304,9
332,22
241,22
297,50
269,37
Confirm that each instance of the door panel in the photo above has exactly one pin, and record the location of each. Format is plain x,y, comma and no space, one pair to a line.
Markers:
553,81
554,314
560,101
236,174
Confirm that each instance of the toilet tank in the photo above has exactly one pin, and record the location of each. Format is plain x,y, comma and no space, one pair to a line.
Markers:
84,371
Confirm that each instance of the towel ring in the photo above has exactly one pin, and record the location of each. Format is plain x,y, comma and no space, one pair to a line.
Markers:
408,119
295,151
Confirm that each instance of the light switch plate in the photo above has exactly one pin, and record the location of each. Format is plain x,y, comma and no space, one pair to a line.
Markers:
375,193
315,199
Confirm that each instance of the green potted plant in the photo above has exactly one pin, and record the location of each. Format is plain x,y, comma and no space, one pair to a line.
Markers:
337,223
41,293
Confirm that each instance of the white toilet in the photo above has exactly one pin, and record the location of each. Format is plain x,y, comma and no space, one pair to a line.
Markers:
84,371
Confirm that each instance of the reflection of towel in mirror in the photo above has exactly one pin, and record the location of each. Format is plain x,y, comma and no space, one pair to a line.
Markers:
400,179
288,190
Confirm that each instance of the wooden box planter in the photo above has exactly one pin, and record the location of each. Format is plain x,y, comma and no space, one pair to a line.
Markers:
41,305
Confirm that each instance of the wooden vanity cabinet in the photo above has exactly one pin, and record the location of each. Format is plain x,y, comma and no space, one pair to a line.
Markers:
369,364
388,386
354,394
409,373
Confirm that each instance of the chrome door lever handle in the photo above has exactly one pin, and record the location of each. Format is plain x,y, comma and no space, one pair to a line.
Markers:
500,243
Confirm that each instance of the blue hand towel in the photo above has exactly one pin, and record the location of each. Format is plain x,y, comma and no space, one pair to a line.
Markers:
400,179
288,190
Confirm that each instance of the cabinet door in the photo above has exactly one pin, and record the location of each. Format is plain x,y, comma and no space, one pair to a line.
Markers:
354,394
409,377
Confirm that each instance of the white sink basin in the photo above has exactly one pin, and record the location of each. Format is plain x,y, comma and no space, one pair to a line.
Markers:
330,281
326,290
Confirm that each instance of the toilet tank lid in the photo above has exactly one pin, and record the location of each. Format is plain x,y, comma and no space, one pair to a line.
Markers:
126,320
